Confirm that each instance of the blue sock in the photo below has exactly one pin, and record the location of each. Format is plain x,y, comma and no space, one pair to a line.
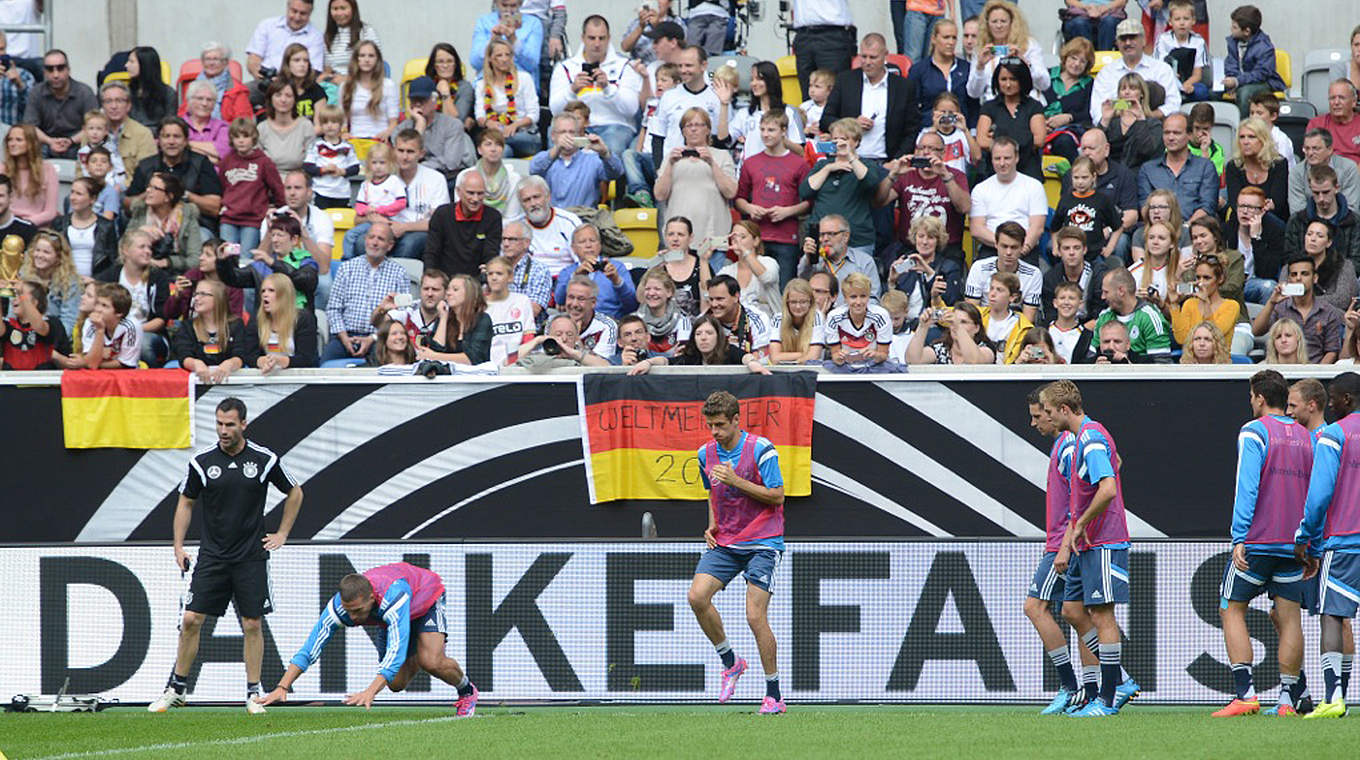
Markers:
178,682
1331,675
1301,690
729,658
772,686
1241,672
1109,672
1288,685
464,686
1346,661
1090,678
1063,662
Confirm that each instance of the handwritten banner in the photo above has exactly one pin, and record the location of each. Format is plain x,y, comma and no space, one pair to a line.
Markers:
641,435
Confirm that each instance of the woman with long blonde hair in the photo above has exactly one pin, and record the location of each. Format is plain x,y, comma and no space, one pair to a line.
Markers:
1285,343
285,334
1158,271
369,98
507,100
34,183
212,343
48,260
796,333
1003,24
1206,345
1257,163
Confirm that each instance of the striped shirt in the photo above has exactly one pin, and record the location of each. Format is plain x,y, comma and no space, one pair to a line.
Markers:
980,278
340,50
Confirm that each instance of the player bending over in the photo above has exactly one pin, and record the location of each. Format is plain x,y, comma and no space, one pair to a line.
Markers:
407,602
745,534
1274,459
1330,529
1096,541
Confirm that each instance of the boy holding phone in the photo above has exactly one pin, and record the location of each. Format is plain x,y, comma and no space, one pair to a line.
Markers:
1323,324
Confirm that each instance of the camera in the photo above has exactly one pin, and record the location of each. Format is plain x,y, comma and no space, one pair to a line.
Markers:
266,73
949,118
689,153
6,61
551,347
1185,288
1292,289
599,264
1108,354
920,162
589,67
581,143
431,368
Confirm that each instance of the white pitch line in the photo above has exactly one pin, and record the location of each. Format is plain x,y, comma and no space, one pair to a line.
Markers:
243,739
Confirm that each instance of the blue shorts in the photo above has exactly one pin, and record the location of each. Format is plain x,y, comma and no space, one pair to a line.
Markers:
759,564
1098,576
1048,583
432,621
1266,573
1339,579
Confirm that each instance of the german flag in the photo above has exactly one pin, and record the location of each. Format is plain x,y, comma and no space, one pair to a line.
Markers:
641,434
130,409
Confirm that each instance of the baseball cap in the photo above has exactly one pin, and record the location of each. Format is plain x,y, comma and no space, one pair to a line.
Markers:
667,29
421,87
1129,27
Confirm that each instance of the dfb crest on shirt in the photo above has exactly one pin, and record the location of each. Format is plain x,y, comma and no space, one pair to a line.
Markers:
214,472
250,469
1134,332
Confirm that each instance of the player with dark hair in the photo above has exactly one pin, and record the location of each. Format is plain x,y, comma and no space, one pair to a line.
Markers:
1096,540
407,604
232,479
1274,459
1330,530
745,534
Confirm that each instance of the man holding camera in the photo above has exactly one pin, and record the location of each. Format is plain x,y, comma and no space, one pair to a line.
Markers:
465,234
602,79
924,185
560,347
1323,324
611,282
832,253
264,52
360,285
575,164
633,339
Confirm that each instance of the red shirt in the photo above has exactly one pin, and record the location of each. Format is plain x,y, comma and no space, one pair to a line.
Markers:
1345,137
767,181
250,187
26,349
918,195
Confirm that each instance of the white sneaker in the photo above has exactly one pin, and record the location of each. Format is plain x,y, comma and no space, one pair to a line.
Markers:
169,699
253,707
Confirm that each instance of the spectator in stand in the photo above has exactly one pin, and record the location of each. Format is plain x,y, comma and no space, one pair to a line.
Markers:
1259,237
1340,119
1185,51
1255,163
48,263
1202,142
1071,338
284,136
1008,196
421,317
689,271
961,338
282,251
569,350
673,110
1037,347
756,273
230,97
148,287
574,171
380,197
633,346
250,186
211,342
448,148
297,71
1004,34
826,290
925,278
1158,272
746,327
368,97
881,103
15,84
767,192
35,180
697,181
152,98
1145,334
1161,206
845,185
708,345
1206,304
1206,239
1317,151
1206,345
195,173
93,239
508,100
1191,178
170,223
961,149
273,36
501,179
1129,42
935,190
744,125
31,339
1069,86
344,31
819,92
1013,113
108,204
1086,207
512,314
95,134
551,228
57,106
1327,205
797,330
638,164
179,303
135,142
601,78
1250,65
942,72
1093,20
667,326
527,276
466,234
454,91
317,230
426,190
1005,328
613,286
111,340
1265,106
1335,281
823,37
360,286
972,27
208,135
1323,324
463,335
1134,136
1285,343
640,34
393,346
523,32
331,160
1069,244
831,253
597,332
914,22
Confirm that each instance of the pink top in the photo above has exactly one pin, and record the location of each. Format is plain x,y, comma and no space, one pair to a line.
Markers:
43,209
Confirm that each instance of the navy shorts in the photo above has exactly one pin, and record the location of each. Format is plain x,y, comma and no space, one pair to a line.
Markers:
216,582
1098,576
432,621
1265,573
759,563
1339,584
1048,583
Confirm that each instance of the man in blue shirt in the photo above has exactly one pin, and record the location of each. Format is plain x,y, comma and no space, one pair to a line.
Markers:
574,172
1193,179
523,32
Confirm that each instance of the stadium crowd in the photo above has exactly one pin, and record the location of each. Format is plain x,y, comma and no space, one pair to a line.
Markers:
943,197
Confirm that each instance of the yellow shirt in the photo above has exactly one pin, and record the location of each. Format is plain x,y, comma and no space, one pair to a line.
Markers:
1011,351
1187,316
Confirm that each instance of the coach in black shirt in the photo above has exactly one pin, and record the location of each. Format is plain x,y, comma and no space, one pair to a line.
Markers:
464,234
231,480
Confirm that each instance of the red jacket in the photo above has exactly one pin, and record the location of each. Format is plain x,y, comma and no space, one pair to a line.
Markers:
250,187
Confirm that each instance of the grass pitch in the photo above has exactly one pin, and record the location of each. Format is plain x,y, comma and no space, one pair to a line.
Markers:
641,731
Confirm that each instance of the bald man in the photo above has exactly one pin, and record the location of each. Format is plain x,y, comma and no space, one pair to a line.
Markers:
464,234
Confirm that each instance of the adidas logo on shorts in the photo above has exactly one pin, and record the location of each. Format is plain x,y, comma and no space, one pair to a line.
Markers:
1095,595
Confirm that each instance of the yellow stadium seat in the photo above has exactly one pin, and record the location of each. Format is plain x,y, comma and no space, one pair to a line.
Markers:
122,76
343,219
414,69
639,224
1103,57
788,80
1285,66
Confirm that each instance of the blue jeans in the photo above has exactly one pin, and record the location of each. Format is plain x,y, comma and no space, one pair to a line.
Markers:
409,246
639,169
969,8
915,40
523,144
334,351
617,137
786,254
248,236
1258,289
1102,37
1199,94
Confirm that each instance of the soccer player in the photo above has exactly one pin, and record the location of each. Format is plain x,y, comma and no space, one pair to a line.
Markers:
231,479
1047,585
1274,459
745,534
407,604
1330,529
1096,541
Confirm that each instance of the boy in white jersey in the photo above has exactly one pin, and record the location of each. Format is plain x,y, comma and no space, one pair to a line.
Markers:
859,333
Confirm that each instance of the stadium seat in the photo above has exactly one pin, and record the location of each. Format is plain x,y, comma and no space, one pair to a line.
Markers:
1103,57
191,68
788,78
414,268
122,76
414,69
1293,121
742,63
1225,122
1317,75
640,225
343,219
1284,66
361,147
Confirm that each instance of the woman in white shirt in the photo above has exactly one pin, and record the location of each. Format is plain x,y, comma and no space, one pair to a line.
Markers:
368,97
1005,34
756,273
344,31
507,100
512,314
766,95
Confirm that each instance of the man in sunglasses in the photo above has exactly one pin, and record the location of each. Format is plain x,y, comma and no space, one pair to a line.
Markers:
57,106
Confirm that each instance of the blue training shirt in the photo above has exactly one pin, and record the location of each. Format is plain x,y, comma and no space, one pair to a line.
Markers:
393,640
767,463
1321,488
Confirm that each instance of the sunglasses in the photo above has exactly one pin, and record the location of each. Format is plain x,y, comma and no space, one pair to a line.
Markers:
56,67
